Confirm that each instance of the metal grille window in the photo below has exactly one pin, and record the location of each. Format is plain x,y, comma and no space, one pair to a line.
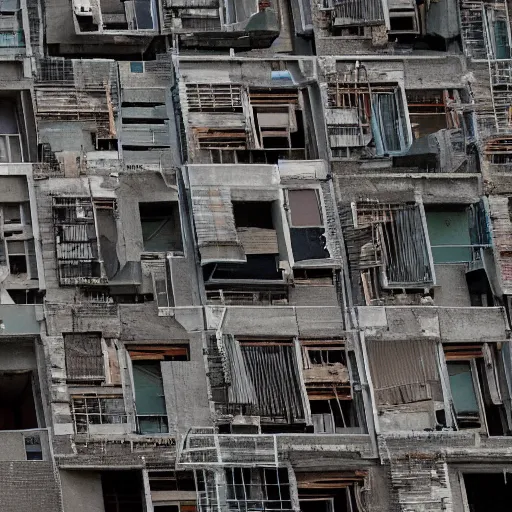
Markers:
255,489
76,241
214,97
84,357
94,410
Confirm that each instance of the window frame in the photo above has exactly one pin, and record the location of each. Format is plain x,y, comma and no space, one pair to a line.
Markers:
87,397
318,194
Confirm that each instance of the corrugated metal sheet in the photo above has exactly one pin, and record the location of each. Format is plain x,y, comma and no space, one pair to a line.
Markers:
240,390
274,373
215,225
265,377
404,371
258,240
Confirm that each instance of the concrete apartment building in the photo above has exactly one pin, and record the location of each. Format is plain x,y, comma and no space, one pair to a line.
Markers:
255,255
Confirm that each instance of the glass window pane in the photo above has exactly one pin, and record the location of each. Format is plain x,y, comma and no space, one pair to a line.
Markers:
463,390
304,208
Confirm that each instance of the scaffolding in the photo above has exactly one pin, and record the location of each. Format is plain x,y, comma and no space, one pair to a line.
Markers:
205,447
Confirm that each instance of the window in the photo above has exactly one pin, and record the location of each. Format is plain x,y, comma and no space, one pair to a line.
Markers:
161,229
448,230
137,67
173,491
10,143
257,489
91,411
11,213
482,487
84,357
328,385
307,230
17,403
33,448
330,492
20,255
17,257
123,491
464,395
255,229
474,383
148,384
277,396
432,110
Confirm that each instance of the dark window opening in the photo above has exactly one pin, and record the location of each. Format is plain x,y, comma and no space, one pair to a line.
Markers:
307,231
26,296
258,266
17,404
402,24
106,144
329,491
18,264
86,24
325,357
11,213
480,487
133,298
123,491
254,214
171,481
161,229
308,244
475,374
312,273
480,292
331,416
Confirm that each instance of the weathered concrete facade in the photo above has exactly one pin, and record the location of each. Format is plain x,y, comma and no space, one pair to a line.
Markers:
255,255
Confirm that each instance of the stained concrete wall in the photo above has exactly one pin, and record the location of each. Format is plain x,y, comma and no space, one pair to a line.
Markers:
186,395
81,491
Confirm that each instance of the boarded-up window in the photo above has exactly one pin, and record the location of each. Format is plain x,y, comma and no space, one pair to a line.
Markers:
264,377
84,357
304,208
404,371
